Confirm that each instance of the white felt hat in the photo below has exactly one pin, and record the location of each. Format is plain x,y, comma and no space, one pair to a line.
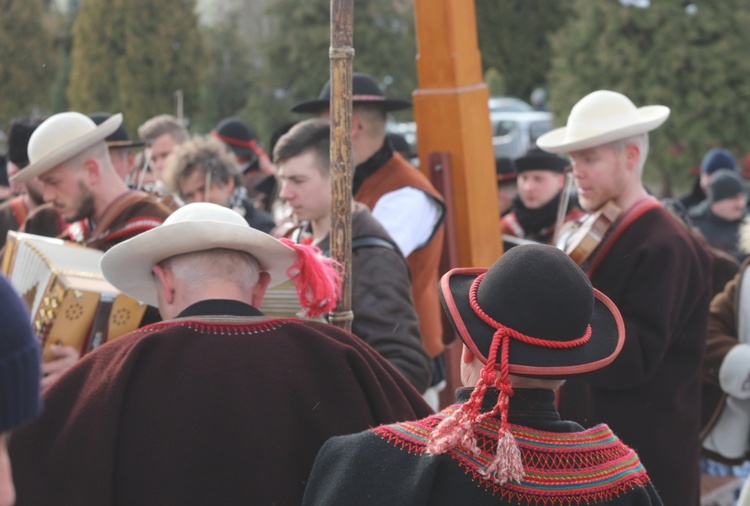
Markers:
195,227
61,137
599,118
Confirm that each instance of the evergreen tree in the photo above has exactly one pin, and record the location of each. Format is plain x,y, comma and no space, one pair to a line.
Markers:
691,59
296,56
28,58
514,39
131,56
225,87
97,45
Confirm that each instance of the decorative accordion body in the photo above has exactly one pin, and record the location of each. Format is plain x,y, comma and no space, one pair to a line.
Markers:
69,300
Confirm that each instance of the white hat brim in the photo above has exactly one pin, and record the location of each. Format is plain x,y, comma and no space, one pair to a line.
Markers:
565,140
68,150
128,265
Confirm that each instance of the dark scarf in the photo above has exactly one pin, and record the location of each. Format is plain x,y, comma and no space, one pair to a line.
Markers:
369,166
534,221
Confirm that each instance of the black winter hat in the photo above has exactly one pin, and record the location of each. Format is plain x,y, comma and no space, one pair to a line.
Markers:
120,137
19,361
238,136
19,133
536,159
724,184
365,90
504,169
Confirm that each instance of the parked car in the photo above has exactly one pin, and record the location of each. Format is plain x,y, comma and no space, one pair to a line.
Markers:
514,133
508,104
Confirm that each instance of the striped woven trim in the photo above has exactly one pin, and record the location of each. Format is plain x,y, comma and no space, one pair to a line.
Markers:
561,468
132,227
222,324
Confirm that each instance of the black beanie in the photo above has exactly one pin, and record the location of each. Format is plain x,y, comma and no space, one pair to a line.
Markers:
724,184
19,361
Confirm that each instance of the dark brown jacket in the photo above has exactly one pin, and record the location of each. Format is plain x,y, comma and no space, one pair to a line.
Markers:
384,315
659,276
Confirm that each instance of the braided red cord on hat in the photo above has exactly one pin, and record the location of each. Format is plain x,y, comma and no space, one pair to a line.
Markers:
315,277
243,144
458,429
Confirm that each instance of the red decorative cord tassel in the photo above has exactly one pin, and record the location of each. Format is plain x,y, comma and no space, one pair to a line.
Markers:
315,277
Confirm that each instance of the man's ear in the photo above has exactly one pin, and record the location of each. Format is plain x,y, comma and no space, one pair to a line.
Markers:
164,283
466,355
357,125
260,288
91,171
632,155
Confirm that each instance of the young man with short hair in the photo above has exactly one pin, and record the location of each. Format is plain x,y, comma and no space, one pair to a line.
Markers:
384,315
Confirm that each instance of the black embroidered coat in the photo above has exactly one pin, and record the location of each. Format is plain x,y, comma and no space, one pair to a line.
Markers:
564,464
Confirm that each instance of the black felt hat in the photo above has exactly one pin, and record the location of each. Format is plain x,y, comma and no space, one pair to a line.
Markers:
119,138
536,159
237,135
365,90
538,291
504,169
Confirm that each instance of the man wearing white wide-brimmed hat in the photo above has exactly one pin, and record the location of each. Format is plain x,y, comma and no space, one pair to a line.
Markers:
218,404
659,276
69,154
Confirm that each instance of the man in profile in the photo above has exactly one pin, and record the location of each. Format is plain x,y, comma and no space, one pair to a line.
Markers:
218,404
69,155
384,315
401,198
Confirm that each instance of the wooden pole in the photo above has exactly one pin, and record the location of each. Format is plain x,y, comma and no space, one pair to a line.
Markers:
452,114
341,55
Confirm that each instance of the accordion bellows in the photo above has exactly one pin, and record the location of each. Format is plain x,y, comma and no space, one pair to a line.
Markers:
69,300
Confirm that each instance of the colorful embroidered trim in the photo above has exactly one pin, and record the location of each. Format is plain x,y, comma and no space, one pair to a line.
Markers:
560,468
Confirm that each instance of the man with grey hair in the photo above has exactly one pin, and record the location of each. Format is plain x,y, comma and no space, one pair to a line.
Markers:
218,404
659,276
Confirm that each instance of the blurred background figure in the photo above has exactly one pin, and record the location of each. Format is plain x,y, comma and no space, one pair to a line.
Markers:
120,147
507,187
714,160
28,195
719,218
161,134
203,169
533,212
255,164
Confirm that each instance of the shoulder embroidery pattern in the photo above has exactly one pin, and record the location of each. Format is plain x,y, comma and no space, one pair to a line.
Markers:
570,468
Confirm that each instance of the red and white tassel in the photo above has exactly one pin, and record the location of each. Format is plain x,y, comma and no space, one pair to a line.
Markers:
315,277
507,463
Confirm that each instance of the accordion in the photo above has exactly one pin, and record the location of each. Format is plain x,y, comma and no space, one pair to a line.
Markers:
69,300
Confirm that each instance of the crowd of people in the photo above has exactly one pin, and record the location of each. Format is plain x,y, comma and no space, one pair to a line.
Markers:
586,378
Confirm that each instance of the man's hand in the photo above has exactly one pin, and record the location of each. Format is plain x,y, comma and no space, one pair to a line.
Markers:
66,357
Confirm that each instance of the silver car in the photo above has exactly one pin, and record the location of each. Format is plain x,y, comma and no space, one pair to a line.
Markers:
513,133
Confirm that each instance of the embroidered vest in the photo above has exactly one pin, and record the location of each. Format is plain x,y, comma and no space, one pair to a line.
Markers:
423,262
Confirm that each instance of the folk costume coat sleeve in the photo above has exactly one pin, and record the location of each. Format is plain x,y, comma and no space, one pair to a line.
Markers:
658,275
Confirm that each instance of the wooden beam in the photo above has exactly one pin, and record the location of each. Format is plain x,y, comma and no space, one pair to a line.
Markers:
452,114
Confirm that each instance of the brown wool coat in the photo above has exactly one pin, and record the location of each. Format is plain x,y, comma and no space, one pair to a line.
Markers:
660,278
204,410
